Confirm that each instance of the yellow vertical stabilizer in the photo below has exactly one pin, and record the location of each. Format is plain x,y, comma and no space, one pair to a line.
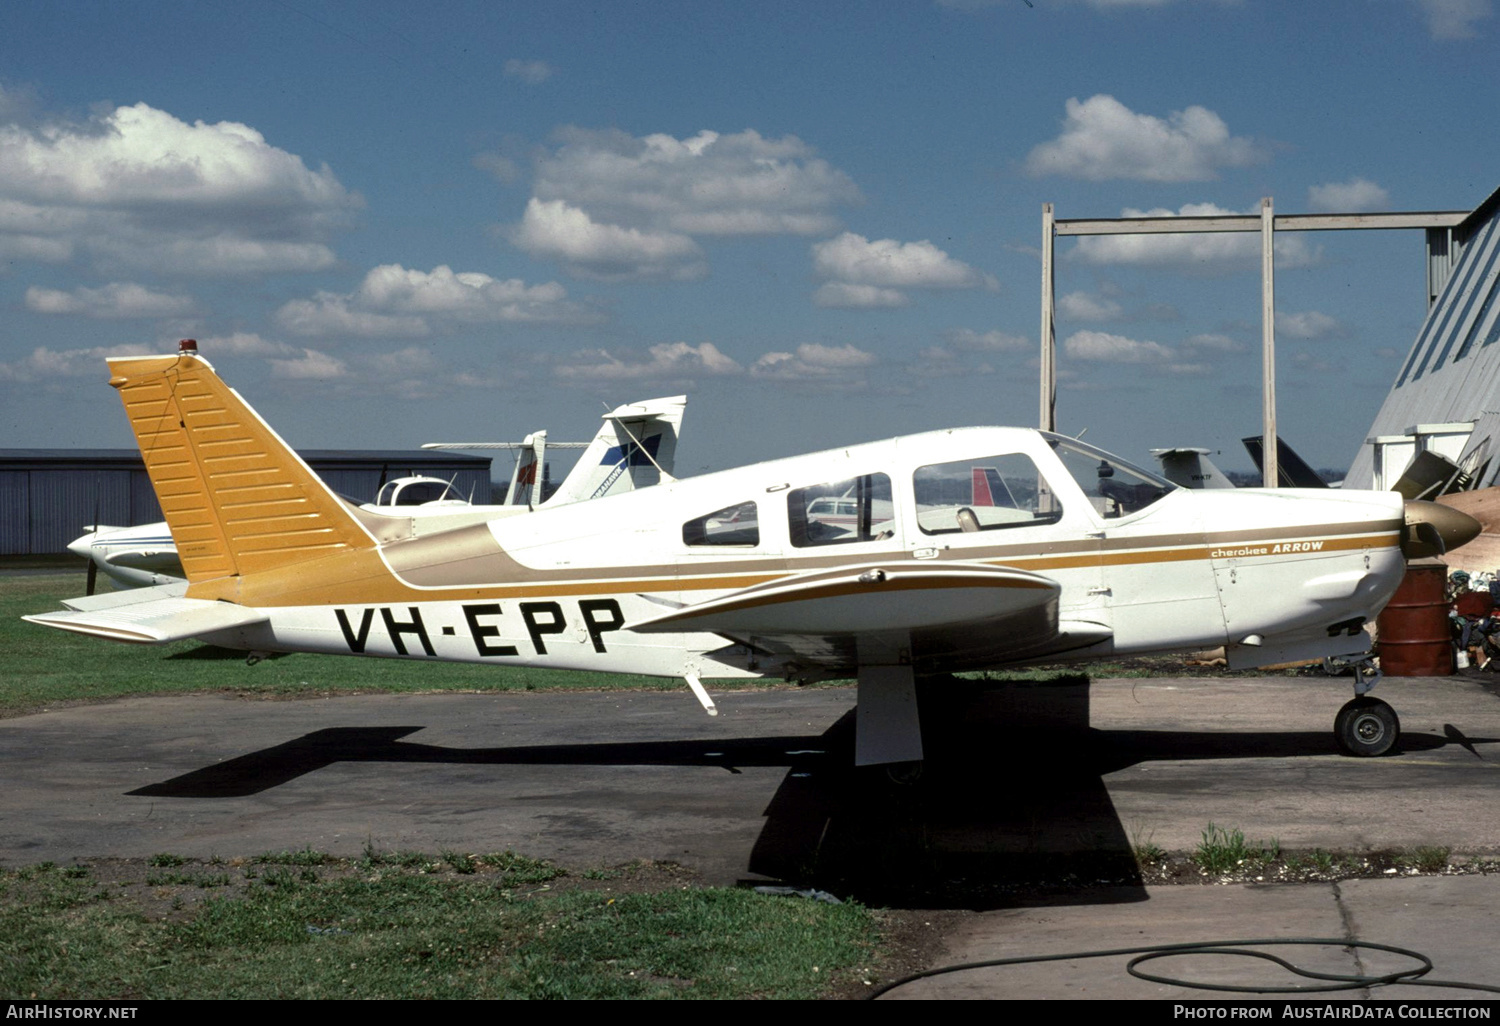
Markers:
238,500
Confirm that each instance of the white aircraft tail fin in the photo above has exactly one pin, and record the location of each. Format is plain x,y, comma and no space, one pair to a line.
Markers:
636,446
525,479
1191,468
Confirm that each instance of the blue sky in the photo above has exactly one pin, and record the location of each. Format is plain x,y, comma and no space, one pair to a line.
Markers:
394,223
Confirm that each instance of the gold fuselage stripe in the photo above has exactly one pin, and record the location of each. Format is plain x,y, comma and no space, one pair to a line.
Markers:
365,584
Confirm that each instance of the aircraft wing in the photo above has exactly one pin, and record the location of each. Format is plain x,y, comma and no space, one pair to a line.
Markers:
937,616
155,621
125,597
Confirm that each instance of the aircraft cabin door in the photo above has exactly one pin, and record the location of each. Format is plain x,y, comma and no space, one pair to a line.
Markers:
1002,510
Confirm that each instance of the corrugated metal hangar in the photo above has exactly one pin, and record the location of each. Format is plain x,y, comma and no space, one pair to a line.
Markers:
48,496
1446,397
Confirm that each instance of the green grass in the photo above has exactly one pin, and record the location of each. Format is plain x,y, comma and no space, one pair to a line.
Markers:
388,931
1427,859
1225,851
46,666
1146,851
1317,863
303,857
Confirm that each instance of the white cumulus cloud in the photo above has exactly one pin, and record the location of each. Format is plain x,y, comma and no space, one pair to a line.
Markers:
1103,139
311,365
886,262
616,207
850,296
1201,252
1212,343
1107,348
665,362
708,184
1102,347
1081,306
1355,196
531,72
138,188
413,360
1309,325
117,300
866,273
993,341
1454,19
329,313
553,230
816,364
240,343
44,362
468,295
395,301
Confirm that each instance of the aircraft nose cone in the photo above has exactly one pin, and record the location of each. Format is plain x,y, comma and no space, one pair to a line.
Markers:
83,546
1433,529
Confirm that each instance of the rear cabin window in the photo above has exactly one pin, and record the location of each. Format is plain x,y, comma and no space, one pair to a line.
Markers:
857,509
732,525
988,493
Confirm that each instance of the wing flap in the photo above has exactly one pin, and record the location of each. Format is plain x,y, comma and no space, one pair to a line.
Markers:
155,622
868,599
941,618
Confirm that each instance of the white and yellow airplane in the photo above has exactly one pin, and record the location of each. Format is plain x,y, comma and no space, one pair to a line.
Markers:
748,572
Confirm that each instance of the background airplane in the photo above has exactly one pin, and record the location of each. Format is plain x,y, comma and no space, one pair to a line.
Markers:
635,445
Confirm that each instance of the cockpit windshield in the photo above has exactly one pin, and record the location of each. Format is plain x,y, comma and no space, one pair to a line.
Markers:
412,491
1115,487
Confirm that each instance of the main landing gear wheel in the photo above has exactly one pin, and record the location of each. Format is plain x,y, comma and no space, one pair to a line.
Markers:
905,774
1367,726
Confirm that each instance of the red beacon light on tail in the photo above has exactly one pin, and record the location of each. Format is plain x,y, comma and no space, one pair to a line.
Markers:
188,345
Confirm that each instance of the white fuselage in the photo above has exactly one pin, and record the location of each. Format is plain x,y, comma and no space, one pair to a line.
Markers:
1272,575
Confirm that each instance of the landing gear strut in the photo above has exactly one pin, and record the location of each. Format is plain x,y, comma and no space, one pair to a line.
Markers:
1366,726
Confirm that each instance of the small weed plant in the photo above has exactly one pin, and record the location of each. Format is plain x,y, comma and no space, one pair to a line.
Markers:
1224,851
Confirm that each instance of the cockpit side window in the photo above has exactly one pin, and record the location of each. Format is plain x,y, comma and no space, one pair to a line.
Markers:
857,509
987,493
1116,488
733,525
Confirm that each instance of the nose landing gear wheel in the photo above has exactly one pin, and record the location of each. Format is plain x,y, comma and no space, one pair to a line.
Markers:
1366,726
904,774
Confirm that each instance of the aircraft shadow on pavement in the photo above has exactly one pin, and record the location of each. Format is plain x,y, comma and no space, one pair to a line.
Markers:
1011,808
